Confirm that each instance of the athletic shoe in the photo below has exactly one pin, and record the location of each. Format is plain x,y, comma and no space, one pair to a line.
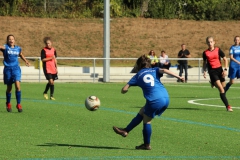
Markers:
8,107
120,131
45,95
144,147
52,98
229,109
19,107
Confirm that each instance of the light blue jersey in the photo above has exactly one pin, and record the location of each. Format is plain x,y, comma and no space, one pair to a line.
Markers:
11,56
234,68
149,80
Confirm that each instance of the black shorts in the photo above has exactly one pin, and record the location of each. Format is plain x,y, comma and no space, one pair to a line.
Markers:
216,74
51,76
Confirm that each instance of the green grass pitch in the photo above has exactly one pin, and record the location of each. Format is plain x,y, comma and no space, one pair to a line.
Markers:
195,126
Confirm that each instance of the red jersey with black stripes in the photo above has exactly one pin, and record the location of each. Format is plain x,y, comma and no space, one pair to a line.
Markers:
49,66
213,58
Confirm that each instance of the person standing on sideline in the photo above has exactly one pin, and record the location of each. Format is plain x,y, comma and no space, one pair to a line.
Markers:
156,95
183,64
12,71
212,59
48,57
164,61
234,68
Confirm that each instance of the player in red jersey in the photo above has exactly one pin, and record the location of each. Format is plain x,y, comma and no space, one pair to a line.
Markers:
212,59
48,57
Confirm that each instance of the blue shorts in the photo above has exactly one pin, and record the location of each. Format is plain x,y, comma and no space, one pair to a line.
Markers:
11,75
156,107
234,72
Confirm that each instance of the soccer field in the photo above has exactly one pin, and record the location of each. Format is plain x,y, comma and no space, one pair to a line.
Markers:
196,124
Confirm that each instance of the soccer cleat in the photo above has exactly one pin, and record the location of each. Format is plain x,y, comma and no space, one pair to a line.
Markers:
120,131
19,107
8,107
144,147
45,95
52,98
229,108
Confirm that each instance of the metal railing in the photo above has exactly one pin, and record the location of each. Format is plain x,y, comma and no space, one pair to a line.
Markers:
71,73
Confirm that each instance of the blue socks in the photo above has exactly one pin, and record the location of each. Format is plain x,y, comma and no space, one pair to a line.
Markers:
8,97
147,131
18,96
135,121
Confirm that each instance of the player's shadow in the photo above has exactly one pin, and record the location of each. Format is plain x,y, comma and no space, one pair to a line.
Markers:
74,145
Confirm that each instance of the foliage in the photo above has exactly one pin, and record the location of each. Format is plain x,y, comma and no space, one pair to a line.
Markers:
181,9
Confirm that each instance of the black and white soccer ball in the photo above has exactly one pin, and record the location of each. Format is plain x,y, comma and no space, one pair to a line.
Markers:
92,103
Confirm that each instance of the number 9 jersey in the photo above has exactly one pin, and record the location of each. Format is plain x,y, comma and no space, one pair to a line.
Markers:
149,80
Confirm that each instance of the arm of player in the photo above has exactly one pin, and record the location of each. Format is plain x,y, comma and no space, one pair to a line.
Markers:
171,73
233,59
125,89
204,69
24,59
225,67
2,48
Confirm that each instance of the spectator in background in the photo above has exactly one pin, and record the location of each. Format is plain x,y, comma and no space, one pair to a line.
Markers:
234,67
164,61
183,64
154,59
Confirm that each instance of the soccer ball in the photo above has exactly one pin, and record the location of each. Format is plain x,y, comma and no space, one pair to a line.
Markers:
92,103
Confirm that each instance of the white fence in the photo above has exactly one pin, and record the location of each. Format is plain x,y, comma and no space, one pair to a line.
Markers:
94,73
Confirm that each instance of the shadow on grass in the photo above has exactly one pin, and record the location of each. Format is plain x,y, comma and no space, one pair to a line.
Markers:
74,145
185,108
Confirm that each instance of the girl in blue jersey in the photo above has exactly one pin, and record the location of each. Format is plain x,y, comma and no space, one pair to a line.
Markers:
12,70
234,68
157,98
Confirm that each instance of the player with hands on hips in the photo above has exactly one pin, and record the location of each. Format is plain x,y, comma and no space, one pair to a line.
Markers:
156,95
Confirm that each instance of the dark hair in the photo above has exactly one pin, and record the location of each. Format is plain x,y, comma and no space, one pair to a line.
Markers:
163,51
8,37
45,39
143,62
151,52
235,37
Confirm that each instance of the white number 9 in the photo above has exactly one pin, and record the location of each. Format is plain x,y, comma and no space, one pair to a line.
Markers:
148,78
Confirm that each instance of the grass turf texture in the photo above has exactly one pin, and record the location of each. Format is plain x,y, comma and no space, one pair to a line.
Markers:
65,129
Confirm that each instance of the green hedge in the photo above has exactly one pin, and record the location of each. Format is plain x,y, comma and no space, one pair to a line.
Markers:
168,9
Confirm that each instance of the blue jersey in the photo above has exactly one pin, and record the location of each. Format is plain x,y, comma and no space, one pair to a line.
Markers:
235,51
11,56
149,80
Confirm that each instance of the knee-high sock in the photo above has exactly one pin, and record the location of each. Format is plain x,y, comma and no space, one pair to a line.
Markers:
147,132
51,90
8,97
135,121
46,88
224,99
227,86
18,96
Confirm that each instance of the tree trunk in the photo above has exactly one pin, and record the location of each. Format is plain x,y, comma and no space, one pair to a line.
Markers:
144,7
